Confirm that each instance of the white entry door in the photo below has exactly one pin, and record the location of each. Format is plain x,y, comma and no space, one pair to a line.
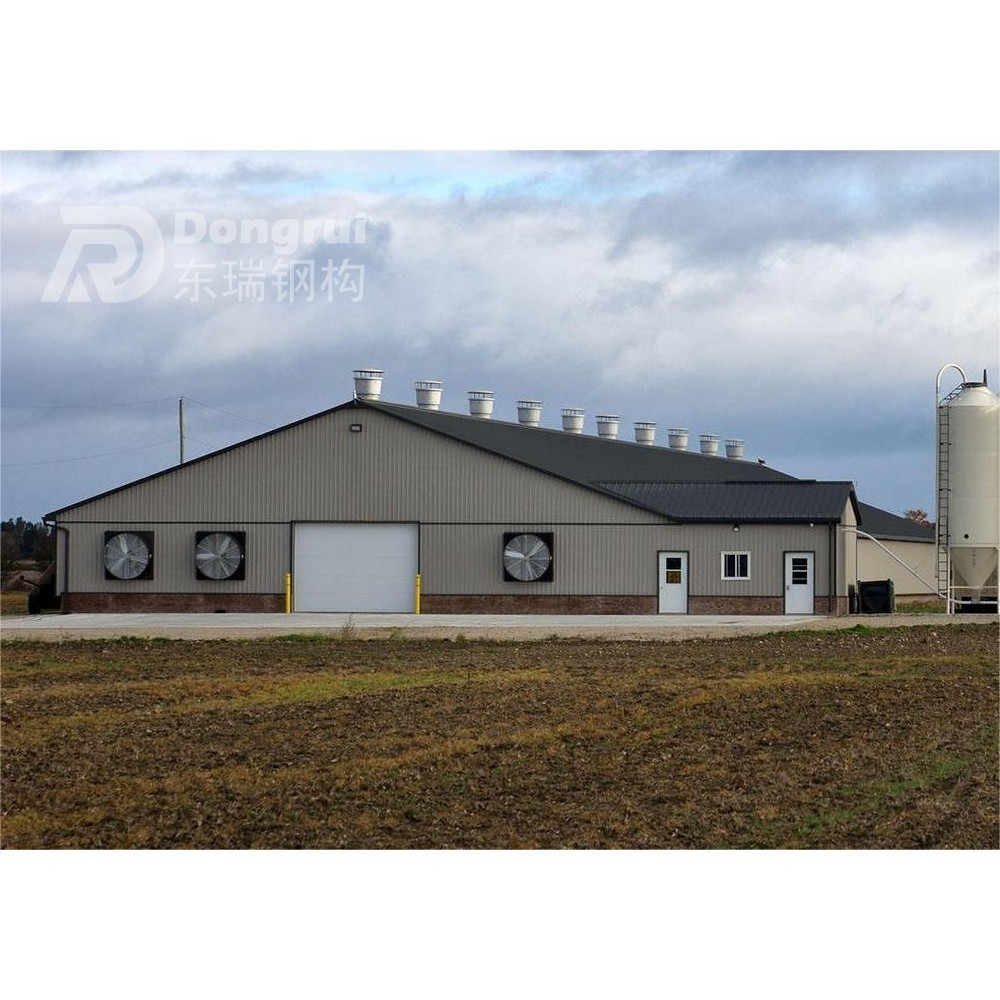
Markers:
673,583
800,585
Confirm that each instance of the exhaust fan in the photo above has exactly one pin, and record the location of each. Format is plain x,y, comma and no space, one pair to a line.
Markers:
527,558
128,555
220,555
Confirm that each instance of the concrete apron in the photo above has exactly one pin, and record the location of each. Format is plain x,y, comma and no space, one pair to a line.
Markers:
58,627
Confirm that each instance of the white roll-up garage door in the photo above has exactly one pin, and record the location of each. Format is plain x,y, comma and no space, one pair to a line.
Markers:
354,567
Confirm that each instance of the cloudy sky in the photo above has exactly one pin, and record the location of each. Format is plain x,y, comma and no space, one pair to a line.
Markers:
801,301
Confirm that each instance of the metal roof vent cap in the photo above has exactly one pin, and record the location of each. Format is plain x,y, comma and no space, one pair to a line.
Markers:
368,383
607,425
678,438
428,394
734,447
709,444
529,412
481,403
572,419
645,431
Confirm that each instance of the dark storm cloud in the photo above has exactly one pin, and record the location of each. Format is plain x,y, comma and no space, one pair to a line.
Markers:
746,204
627,282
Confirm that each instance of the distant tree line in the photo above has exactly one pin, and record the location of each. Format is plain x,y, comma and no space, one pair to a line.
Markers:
26,541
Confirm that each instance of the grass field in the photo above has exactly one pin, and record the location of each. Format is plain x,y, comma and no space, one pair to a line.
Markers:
13,603
867,738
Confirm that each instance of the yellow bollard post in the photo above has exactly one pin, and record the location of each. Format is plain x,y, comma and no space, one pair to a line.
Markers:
416,595
288,593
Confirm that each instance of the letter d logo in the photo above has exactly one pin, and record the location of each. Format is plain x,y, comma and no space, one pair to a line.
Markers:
136,240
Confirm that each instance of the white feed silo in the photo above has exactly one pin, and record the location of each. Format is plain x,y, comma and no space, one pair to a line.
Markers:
968,494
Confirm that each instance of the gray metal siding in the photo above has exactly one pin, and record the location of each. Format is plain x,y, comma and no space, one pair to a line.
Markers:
267,559
767,545
617,559
321,471
316,471
463,499
588,559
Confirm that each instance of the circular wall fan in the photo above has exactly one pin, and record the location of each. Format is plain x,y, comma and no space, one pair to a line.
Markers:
219,555
128,555
527,558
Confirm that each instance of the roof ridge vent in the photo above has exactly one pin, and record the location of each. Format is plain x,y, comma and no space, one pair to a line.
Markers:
428,394
709,444
529,412
481,403
572,419
677,437
645,431
368,383
734,447
607,425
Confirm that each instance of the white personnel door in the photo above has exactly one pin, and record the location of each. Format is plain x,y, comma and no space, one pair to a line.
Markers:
800,585
673,576
354,567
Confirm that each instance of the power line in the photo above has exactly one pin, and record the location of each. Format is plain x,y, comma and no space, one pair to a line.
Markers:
228,413
121,451
133,402
87,406
83,458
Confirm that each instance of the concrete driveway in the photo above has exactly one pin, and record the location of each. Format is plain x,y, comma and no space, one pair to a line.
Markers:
56,627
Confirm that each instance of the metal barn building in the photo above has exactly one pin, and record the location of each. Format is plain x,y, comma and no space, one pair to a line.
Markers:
343,510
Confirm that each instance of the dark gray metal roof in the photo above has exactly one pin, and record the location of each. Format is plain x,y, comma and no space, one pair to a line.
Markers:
799,501
892,527
682,485
583,458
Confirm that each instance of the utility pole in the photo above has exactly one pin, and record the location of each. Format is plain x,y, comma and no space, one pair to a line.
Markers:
180,419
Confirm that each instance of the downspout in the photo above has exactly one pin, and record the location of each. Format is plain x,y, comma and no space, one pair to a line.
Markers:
62,570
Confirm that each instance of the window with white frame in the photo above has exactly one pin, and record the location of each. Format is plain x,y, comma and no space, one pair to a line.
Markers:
735,565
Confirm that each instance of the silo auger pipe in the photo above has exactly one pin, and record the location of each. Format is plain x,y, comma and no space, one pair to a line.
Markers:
889,552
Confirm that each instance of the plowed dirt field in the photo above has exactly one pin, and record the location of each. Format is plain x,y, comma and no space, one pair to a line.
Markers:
868,739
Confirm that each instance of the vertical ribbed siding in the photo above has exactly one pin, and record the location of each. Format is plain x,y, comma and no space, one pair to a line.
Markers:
267,559
317,471
320,470
588,559
618,559
463,498
875,564
767,545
